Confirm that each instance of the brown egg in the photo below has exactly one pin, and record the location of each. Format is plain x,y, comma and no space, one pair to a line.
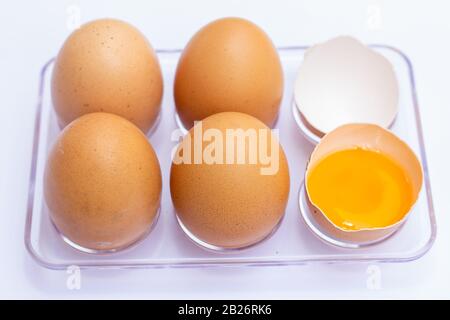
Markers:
224,190
102,182
107,66
229,65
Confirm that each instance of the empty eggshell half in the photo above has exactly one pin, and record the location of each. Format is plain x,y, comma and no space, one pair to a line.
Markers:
343,81
372,137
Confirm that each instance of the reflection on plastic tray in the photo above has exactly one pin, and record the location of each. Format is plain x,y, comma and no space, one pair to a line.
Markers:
293,243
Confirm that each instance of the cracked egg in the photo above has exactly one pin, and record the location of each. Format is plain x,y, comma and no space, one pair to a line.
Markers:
361,183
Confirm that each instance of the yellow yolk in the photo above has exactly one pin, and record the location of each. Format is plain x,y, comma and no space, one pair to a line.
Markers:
360,188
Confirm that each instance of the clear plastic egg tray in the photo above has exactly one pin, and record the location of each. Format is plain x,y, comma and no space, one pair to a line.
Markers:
293,243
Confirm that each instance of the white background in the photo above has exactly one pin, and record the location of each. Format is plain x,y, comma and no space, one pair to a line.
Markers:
32,32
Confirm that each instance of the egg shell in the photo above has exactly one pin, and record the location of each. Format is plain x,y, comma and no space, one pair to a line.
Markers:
343,81
372,137
230,205
229,65
102,182
107,66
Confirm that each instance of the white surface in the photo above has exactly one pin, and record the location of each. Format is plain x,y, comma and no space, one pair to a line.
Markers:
32,32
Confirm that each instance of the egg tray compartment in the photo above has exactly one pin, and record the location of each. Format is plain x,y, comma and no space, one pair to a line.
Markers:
292,244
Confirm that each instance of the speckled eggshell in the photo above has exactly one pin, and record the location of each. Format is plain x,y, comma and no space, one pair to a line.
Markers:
102,182
229,65
230,205
107,66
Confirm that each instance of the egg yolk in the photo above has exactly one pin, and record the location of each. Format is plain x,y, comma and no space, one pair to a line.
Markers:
360,188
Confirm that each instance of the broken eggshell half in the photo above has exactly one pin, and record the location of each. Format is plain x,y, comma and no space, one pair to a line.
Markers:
367,136
344,81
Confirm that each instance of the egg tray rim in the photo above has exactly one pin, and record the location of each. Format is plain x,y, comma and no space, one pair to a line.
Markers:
231,261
